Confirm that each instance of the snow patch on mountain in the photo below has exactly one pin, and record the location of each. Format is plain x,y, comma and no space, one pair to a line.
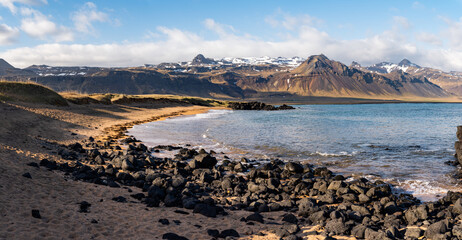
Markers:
280,61
388,67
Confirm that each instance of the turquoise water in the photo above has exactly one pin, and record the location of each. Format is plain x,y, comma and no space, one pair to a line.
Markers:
405,144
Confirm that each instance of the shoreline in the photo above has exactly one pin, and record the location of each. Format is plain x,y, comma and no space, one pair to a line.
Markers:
320,100
118,131
406,186
281,215
367,101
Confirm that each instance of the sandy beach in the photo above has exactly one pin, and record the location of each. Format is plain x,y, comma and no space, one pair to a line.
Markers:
43,201
29,133
226,120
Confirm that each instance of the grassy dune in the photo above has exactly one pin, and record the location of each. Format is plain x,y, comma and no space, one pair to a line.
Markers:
36,93
29,92
78,98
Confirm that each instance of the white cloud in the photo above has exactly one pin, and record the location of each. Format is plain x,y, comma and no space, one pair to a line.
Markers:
429,38
453,32
290,22
11,4
417,5
178,45
8,34
37,25
218,28
172,45
401,21
85,16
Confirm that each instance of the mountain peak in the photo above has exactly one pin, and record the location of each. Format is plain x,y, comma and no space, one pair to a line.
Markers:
355,64
318,60
319,57
407,63
320,63
5,65
200,59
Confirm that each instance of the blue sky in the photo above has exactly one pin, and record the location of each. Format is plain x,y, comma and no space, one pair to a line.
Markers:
131,33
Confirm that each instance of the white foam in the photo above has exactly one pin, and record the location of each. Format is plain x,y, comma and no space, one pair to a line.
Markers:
340,154
421,189
208,115
365,145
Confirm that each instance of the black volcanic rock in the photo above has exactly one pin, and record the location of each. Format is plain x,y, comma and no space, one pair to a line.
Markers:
257,106
84,205
173,236
36,213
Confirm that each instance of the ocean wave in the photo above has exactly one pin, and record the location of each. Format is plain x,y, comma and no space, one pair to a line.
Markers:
364,145
211,114
422,189
340,154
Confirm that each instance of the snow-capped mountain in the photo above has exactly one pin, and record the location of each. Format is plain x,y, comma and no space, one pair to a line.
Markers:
449,81
388,67
45,70
283,61
200,60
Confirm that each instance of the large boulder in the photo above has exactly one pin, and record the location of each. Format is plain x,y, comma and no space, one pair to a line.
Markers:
459,133
458,148
436,229
307,205
294,167
457,206
203,160
206,210
337,227
127,165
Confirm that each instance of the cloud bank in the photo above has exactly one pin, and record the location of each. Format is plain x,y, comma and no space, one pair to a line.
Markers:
302,36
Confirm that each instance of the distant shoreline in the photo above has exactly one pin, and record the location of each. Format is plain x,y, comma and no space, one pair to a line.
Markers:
279,98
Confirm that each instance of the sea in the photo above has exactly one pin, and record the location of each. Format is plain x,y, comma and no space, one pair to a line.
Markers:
404,144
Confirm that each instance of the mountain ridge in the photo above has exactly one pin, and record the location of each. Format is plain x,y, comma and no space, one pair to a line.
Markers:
449,81
316,76
319,76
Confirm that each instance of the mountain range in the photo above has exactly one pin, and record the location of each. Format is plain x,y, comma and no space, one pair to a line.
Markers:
319,76
251,78
449,81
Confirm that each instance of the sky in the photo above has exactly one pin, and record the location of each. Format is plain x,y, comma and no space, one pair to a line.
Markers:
122,33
